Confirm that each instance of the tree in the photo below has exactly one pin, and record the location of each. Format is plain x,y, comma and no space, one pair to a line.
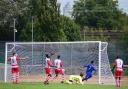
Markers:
47,21
71,29
10,9
98,14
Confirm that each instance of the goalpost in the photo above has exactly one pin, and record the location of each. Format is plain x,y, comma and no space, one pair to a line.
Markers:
73,54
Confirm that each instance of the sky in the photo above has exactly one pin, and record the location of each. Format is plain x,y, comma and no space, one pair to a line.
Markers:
123,4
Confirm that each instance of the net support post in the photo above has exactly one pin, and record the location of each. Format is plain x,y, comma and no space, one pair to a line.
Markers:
5,69
99,74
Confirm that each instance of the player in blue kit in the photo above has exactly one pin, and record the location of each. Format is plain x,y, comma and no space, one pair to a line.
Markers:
89,69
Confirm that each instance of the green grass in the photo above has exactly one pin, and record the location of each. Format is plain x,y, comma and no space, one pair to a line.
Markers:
55,86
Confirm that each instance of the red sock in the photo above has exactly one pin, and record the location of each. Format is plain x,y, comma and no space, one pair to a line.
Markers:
17,77
56,76
13,78
62,78
48,78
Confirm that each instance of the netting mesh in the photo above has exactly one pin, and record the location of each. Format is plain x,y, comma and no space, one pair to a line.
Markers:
73,55
106,74
2,72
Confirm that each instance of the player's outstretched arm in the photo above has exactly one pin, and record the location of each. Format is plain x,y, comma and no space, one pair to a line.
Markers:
23,58
9,58
85,65
52,66
125,66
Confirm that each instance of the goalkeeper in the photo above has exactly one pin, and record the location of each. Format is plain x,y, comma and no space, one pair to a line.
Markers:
75,79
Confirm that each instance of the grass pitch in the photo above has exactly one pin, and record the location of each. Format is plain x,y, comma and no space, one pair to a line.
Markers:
56,86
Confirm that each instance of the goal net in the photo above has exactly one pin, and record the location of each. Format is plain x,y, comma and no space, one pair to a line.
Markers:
74,56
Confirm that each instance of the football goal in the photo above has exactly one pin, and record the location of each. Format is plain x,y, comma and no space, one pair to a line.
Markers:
74,56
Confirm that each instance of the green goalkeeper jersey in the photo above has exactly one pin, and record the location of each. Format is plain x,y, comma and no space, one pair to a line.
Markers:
75,79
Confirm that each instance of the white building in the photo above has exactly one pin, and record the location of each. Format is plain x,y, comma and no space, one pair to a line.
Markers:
66,7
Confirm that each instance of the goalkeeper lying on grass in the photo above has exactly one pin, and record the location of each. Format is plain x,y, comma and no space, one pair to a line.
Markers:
75,79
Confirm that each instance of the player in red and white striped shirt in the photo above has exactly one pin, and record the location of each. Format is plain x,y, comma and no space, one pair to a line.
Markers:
15,67
118,65
47,68
58,68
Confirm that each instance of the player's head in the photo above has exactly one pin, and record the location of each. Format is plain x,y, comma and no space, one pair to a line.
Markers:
92,62
81,74
58,56
47,55
14,53
117,57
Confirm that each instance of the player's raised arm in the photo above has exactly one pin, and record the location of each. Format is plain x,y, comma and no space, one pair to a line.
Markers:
114,65
123,64
9,58
23,58
61,64
86,65
51,61
94,68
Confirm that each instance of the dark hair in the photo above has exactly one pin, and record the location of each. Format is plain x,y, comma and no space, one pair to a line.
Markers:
13,53
47,55
117,57
81,74
92,62
58,56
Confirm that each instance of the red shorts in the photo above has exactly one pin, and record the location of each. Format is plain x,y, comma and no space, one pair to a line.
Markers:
15,70
47,70
58,71
118,73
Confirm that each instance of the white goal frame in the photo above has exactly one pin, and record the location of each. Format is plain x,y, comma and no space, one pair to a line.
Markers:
99,60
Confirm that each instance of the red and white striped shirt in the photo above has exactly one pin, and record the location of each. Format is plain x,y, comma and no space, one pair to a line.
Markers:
48,62
119,64
14,61
58,63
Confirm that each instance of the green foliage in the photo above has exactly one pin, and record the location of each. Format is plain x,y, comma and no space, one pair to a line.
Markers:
27,33
10,9
2,52
125,35
49,25
47,21
71,29
98,14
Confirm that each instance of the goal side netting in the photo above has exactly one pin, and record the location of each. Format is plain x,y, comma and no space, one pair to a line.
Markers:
74,56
